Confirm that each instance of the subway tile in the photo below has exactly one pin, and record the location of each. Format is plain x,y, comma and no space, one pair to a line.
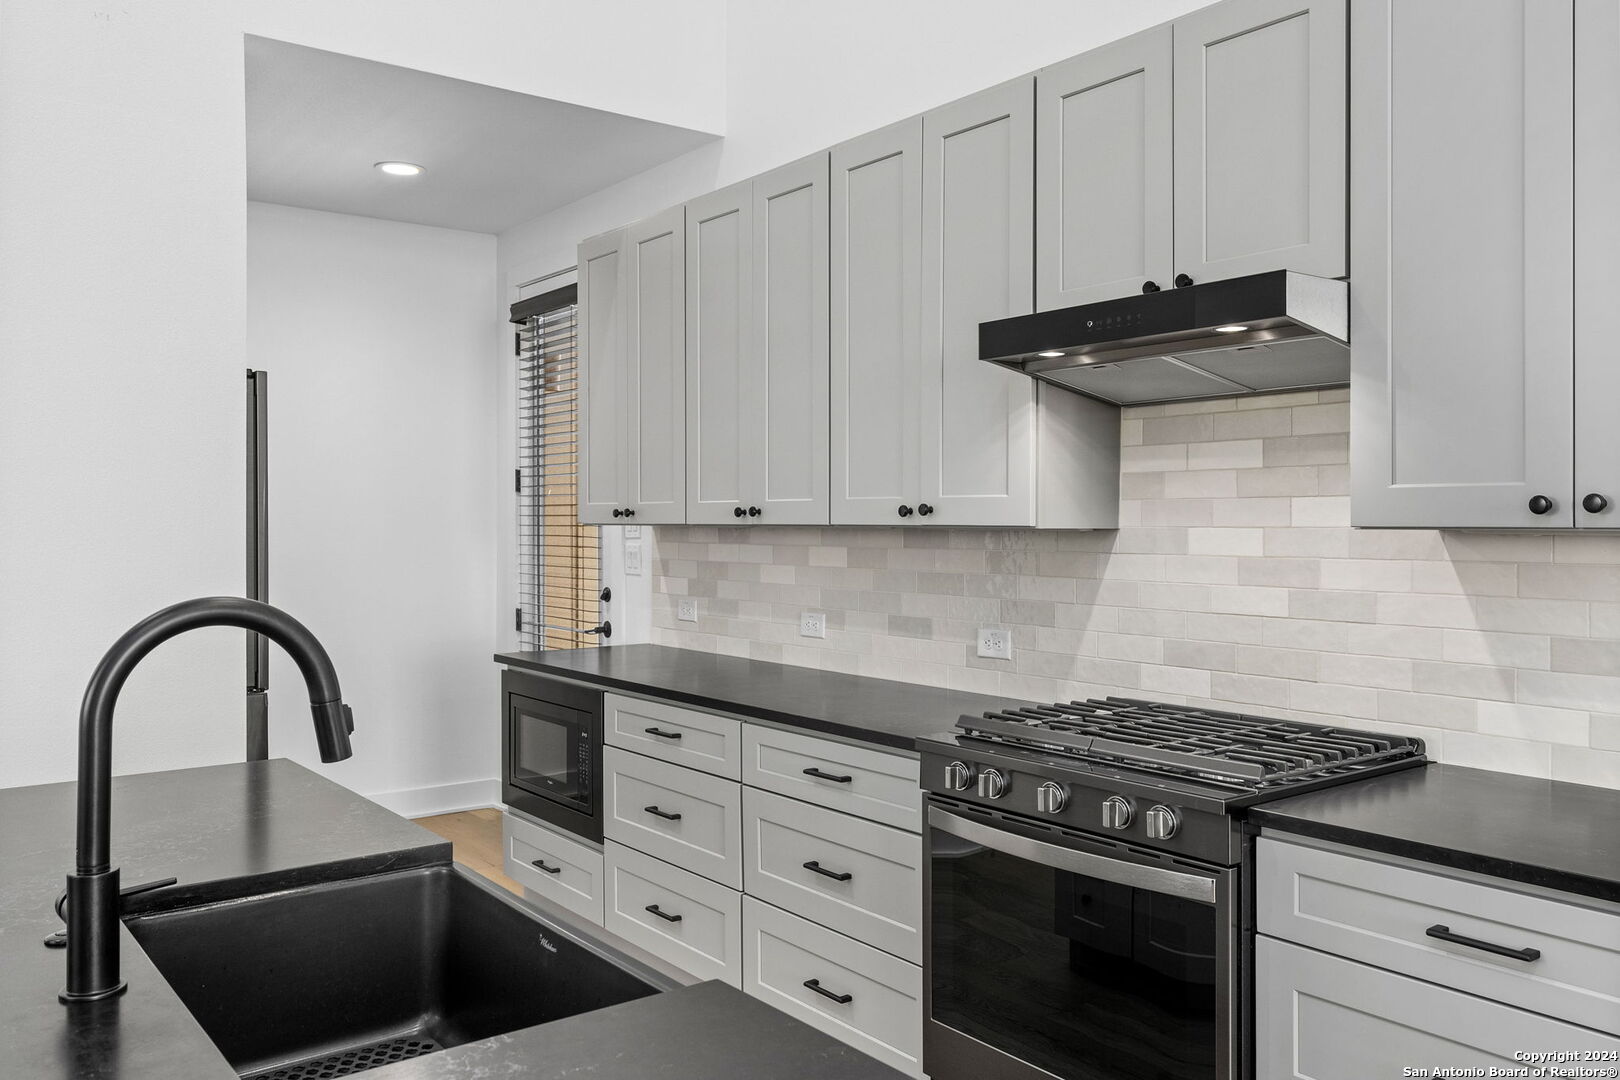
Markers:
1566,690
1031,612
1321,511
1309,543
1282,400
1497,546
1252,424
1367,575
1204,569
1199,484
1329,419
1152,458
1463,680
1283,481
1589,547
1130,431
1605,731
1429,710
1333,479
1411,642
1231,454
1332,606
1516,721
1278,663
1197,428
1307,450
829,556
1174,680
1499,754
1503,650
1582,765
1396,544
1570,581
1177,511
1590,656
910,626
1517,616
1145,649
1254,512
1225,542
1297,633
1151,623
1248,600
1289,573
1208,405
1605,620
1387,673
1143,485
1239,629
1344,701
1249,690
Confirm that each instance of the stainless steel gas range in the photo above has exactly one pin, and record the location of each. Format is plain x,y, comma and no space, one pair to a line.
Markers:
1089,909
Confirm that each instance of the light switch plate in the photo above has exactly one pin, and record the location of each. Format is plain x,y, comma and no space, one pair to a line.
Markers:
686,610
632,557
995,644
813,624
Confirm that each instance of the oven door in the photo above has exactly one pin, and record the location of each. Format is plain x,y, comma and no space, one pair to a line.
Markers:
1052,954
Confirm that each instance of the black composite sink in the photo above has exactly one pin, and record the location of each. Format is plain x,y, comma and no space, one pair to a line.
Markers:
332,979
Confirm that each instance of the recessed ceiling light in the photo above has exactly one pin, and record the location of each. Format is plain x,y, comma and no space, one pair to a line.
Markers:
399,168
1231,328
1049,353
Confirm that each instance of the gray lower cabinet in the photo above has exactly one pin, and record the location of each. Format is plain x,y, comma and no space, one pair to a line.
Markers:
632,342
1321,1017
1260,139
1103,183
1463,363
694,923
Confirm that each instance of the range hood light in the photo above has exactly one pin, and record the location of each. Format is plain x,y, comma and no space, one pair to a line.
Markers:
399,168
1231,328
1050,353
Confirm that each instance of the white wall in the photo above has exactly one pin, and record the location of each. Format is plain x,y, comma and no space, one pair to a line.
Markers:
121,359
376,336
659,61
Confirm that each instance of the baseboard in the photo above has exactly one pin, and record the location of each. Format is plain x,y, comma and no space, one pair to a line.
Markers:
441,798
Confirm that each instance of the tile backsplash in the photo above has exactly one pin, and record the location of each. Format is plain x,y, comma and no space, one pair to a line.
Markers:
1234,579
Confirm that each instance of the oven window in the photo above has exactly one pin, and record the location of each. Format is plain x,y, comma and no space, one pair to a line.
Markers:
1081,977
545,757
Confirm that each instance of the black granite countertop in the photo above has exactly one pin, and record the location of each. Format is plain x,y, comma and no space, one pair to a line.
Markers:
228,831
878,711
1540,832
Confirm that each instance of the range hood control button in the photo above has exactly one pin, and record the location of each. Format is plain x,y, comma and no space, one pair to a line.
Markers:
958,776
1161,822
1117,812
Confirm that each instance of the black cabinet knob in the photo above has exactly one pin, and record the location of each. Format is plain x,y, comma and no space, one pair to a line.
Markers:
1150,286
1594,503
904,511
754,511
1182,281
924,509
1540,504
737,511
629,513
617,512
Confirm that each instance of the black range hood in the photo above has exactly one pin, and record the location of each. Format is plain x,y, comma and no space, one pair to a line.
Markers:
1251,335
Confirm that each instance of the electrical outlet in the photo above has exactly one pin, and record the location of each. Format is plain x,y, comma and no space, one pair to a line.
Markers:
812,624
996,644
686,610
632,557
632,532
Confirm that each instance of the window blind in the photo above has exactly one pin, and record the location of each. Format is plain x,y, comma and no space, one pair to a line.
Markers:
559,569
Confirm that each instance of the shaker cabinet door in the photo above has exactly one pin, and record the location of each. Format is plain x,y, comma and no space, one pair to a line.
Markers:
1103,192
1461,322
785,414
601,378
655,418
1596,494
978,420
1260,140
876,290
719,347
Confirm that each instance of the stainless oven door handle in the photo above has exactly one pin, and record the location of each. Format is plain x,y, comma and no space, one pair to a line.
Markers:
1188,886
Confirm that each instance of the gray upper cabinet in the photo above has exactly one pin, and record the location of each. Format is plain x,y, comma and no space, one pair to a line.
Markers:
786,379
977,462
1463,369
1260,139
655,391
876,283
1103,191
601,372
719,345
1597,274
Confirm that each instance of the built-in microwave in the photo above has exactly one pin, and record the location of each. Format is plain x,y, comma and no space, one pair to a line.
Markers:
551,762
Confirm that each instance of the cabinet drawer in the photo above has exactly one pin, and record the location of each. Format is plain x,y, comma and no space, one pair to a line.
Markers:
644,798
1380,913
853,779
698,740
562,870
697,924
1320,1017
883,1013
868,877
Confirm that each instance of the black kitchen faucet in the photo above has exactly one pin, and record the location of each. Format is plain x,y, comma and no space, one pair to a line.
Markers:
92,889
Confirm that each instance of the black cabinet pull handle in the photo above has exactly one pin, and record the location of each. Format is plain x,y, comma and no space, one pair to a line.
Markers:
1594,503
1540,504
1444,934
1182,281
816,867
666,916
754,511
539,864
924,509
662,734
1150,286
737,511
617,512
904,511
819,775
655,812
815,984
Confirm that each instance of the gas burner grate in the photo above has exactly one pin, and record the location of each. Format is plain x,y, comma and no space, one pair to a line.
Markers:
1209,744
357,1059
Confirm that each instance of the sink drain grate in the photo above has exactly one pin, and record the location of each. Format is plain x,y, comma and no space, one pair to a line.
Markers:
355,1060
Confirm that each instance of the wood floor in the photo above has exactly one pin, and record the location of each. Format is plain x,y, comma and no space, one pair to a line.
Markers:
475,836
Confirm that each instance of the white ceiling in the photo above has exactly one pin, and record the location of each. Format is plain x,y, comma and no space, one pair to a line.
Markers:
318,121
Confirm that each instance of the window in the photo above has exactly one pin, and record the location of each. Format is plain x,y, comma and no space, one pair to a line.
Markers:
558,559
